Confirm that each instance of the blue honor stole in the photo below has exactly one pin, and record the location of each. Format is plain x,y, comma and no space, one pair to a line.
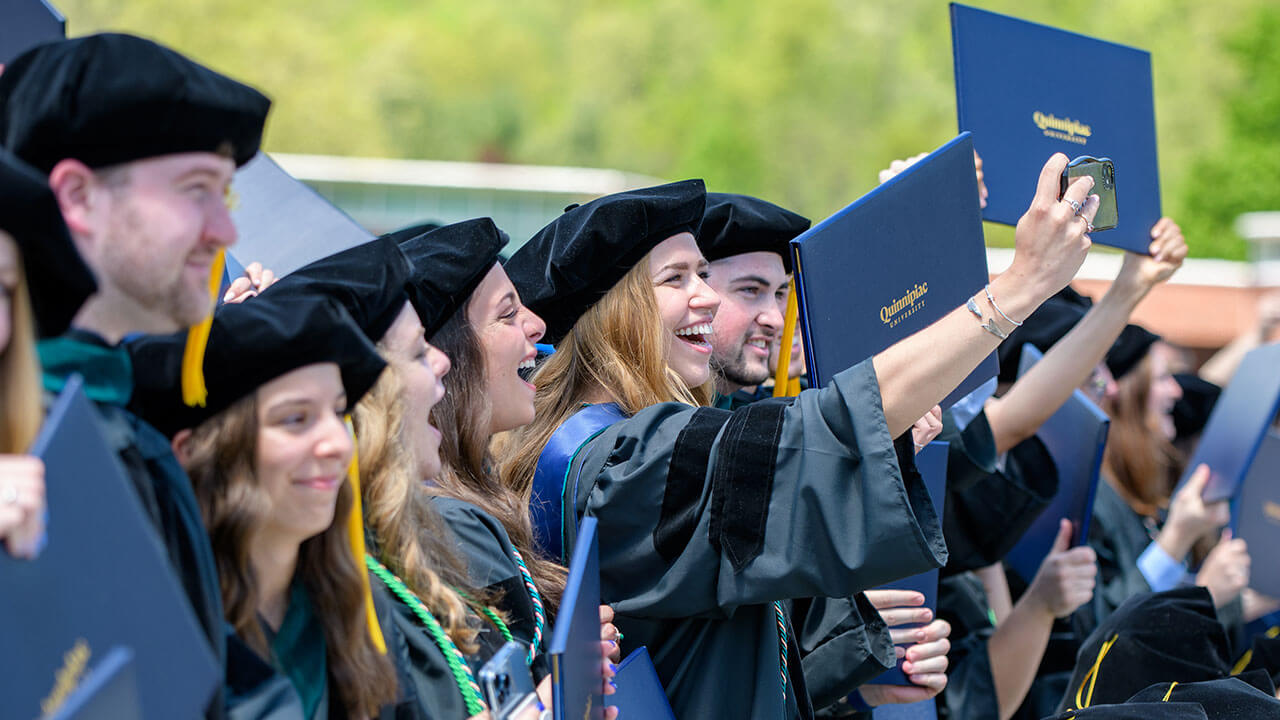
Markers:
549,500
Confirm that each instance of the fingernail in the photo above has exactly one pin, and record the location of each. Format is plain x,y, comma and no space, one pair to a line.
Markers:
613,643
613,667
613,685
920,635
541,707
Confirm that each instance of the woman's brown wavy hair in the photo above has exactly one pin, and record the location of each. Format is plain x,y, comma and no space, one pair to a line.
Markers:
468,472
411,538
618,348
1138,456
220,461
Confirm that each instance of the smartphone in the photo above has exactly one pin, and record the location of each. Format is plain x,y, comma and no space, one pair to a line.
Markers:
1103,172
506,682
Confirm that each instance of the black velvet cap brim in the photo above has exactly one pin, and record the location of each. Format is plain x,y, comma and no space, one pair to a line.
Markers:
112,98
368,279
1160,637
738,224
58,281
571,263
250,343
448,264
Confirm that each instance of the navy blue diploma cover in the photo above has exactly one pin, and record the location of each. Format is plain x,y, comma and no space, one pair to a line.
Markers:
640,693
1075,437
576,683
110,690
893,262
1012,94
932,464
284,224
103,581
923,710
26,24
1257,516
1239,421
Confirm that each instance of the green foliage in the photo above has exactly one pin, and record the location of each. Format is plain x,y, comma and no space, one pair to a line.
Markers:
799,102
1243,173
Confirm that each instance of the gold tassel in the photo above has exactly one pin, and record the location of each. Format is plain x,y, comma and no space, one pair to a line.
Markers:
1092,676
194,391
355,534
782,379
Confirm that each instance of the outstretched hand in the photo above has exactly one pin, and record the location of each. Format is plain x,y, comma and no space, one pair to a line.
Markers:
1066,577
1167,251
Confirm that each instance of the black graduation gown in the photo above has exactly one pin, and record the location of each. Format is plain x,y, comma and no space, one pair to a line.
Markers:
707,517
422,669
491,565
970,693
162,486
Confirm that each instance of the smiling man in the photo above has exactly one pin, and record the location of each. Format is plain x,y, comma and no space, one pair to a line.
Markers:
746,240
139,145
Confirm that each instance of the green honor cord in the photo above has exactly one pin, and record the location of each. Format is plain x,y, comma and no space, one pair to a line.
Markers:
462,674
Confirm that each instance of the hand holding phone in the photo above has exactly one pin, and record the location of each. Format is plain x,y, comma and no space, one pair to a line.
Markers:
506,682
1103,172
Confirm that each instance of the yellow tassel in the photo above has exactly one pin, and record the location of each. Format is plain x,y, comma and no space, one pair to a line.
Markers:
781,379
194,391
1166,695
1092,676
355,534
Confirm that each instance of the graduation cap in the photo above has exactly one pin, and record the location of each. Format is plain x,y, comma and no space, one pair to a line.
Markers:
1129,349
1151,638
1136,711
1223,699
250,344
368,280
58,281
448,263
571,263
112,98
1263,655
412,231
1044,327
737,224
1192,410
28,23
284,224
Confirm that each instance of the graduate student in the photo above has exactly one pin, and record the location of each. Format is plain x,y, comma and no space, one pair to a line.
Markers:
472,313
43,282
269,458
139,145
446,620
746,242
710,518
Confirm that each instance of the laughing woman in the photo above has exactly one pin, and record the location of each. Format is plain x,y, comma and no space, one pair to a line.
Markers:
472,313
709,518
268,457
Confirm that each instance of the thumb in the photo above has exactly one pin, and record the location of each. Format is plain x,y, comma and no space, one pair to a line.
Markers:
1199,478
1063,541
1226,535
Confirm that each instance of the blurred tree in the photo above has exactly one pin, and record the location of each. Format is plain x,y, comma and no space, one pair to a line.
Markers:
800,102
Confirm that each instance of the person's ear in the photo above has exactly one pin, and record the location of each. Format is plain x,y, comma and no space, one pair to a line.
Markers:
72,183
181,445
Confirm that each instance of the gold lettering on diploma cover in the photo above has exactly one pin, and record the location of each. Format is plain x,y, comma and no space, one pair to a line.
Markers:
1272,511
67,677
1062,128
905,306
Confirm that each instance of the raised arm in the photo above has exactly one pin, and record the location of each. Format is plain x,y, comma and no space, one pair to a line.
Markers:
1017,415
1050,244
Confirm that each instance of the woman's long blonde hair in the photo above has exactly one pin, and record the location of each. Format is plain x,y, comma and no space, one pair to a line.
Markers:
22,410
617,348
412,539
220,463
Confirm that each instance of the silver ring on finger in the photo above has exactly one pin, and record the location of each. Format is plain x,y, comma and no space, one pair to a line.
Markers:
9,495
1075,206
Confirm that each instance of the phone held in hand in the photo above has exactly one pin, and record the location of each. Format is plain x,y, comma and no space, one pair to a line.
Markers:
1103,172
506,682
